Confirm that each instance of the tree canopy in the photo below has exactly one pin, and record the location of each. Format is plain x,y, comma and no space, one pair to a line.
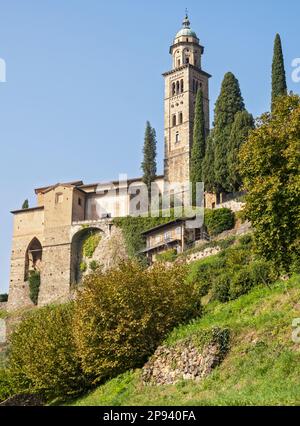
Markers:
270,168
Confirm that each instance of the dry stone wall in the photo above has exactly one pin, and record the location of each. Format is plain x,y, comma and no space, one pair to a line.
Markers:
191,359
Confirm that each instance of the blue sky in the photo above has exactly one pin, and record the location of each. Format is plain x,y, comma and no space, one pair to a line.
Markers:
84,76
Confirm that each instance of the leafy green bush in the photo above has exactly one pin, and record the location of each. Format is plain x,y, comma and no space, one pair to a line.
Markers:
238,256
34,286
123,314
94,265
257,272
241,283
240,216
246,240
5,385
295,258
221,287
83,266
219,220
42,355
167,256
204,273
262,272
3,297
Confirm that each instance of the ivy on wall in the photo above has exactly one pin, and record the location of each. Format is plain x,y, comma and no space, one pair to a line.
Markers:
34,286
133,227
90,244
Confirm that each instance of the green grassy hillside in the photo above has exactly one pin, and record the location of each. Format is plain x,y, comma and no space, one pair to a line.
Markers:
261,368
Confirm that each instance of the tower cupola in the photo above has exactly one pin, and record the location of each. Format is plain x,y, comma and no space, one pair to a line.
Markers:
186,48
186,30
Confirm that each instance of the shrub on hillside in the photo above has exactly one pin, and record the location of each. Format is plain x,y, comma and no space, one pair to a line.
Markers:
205,272
238,256
122,315
221,286
219,220
262,272
42,354
246,239
94,265
5,385
295,258
256,273
240,283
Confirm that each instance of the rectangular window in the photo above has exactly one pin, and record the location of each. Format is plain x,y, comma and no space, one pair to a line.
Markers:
79,201
59,198
167,235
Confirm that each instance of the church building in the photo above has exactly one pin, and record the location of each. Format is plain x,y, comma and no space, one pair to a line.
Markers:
48,237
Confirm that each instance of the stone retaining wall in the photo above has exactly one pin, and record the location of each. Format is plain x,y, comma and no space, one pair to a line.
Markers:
185,360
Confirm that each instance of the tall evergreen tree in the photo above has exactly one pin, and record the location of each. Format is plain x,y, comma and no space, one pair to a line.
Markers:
228,104
279,86
149,161
25,205
208,169
198,149
241,127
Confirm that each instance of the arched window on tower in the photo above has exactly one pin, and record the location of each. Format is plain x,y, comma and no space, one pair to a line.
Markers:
177,87
178,62
174,120
181,86
33,258
177,138
180,118
173,89
196,86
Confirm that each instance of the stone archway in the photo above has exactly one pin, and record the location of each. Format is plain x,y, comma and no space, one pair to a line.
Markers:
77,251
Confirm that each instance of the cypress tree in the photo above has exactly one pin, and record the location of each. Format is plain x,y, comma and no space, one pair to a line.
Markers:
208,170
149,160
198,149
279,86
25,205
228,104
241,127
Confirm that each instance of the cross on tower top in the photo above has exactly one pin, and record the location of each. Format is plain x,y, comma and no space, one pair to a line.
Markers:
186,22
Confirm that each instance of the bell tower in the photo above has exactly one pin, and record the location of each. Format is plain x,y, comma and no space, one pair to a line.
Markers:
181,85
